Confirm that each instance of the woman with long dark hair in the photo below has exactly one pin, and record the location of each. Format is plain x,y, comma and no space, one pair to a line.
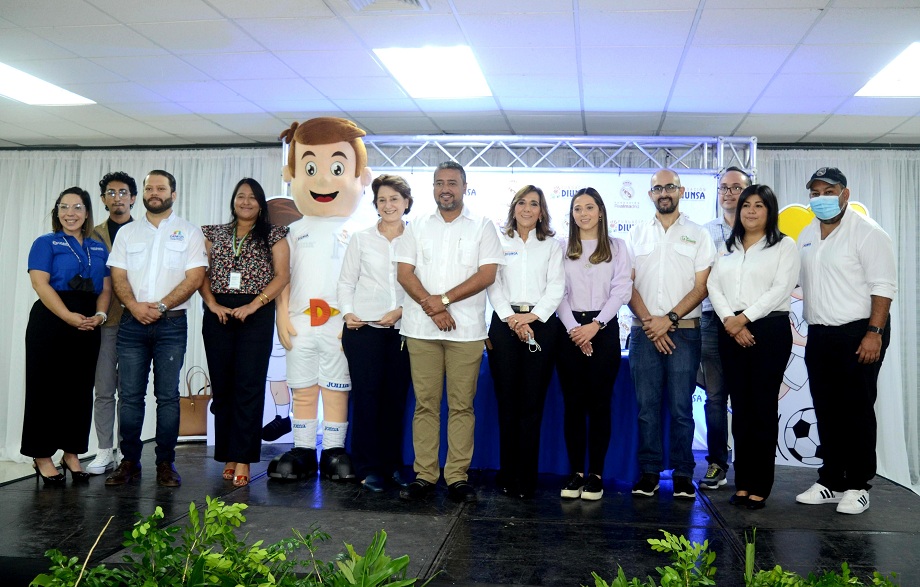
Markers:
68,272
523,335
749,289
597,283
248,267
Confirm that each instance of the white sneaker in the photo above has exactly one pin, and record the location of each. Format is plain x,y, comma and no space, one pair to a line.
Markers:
103,463
818,494
855,501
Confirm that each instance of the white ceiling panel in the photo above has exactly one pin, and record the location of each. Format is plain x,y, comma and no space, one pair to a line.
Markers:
112,40
782,70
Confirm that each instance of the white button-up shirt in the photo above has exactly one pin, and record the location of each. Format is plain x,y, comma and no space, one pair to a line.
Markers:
367,284
842,272
157,257
666,262
532,275
757,281
445,254
719,230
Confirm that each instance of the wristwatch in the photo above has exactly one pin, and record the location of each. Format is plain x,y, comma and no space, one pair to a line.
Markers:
162,308
875,329
674,318
601,325
445,300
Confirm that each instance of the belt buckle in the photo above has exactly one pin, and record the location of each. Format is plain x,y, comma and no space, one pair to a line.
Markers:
524,308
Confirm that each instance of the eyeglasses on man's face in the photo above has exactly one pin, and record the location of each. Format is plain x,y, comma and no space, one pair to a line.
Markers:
730,189
670,188
74,207
119,194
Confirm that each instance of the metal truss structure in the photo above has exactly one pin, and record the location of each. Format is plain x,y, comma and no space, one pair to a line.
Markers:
693,155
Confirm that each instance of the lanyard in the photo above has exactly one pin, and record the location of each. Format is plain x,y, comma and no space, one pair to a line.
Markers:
89,257
238,246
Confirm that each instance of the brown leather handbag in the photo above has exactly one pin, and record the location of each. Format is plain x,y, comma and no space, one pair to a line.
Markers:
193,406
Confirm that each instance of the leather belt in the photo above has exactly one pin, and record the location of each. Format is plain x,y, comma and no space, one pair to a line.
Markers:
682,323
522,309
174,313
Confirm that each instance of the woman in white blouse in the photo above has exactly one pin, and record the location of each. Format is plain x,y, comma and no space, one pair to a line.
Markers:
371,303
523,333
749,288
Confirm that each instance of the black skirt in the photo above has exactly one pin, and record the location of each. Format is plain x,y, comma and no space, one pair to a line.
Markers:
60,369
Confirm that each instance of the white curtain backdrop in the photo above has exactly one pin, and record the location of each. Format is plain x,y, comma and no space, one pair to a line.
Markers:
886,181
30,182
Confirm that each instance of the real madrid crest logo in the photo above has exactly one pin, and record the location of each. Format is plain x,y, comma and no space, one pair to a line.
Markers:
626,191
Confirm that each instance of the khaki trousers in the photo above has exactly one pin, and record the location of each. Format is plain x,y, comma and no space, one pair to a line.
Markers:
430,361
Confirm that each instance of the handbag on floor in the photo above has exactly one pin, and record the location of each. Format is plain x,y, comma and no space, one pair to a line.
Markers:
193,406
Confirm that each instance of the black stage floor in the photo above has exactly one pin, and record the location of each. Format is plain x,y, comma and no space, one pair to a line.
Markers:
497,541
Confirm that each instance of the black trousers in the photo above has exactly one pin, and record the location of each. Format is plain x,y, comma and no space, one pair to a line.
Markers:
521,379
753,376
587,389
844,394
60,373
378,363
238,354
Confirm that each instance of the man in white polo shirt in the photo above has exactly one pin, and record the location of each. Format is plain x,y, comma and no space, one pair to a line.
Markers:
157,264
671,259
445,263
848,279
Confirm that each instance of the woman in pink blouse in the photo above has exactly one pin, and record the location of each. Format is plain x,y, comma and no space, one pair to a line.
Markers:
597,284
249,266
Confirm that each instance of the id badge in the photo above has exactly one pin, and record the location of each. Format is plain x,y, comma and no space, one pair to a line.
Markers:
236,280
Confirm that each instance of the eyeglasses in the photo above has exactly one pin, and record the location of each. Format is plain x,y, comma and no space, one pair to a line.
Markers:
670,188
66,207
117,194
735,189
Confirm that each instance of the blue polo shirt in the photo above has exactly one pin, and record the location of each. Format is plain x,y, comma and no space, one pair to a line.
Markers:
62,256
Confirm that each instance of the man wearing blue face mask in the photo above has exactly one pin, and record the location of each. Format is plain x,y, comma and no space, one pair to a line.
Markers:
848,280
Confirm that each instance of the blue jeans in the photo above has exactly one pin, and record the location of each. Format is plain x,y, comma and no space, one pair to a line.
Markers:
657,376
163,342
713,381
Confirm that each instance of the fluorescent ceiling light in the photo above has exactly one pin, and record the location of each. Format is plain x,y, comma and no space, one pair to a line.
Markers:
898,79
436,72
22,87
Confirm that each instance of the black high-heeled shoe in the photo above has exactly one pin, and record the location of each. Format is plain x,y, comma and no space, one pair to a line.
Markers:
77,476
54,480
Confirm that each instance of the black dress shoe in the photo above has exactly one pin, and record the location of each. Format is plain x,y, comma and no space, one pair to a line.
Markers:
167,476
739,500
755,504
417,490
124,472
461,492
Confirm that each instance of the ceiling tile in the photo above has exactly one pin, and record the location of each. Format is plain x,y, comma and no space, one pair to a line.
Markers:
287,108
194,91
472,105
541,104
784,105
653,86
246,123
796,86
841,58
62,72
563,85
854,128
734,27
635,29
397,125
703,59
160,70
721,86
274,9
20,44
299,34
471,123
630,5
543,30
310,64
769,128
167,11
209,36
633,61
623,124
513,8
348,87
53,13
372,106
423,28
545,123
230,107
274,89
529,60
700,125
149,109
114,40
881,107
867,25
233,66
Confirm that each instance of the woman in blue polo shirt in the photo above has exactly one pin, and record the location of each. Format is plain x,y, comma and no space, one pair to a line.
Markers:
69,274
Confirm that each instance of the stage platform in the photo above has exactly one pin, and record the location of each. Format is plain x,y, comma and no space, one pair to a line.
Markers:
545,541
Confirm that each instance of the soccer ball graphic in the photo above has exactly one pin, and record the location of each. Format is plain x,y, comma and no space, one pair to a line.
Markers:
801,436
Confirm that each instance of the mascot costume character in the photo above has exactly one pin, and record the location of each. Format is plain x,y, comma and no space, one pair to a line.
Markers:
327,170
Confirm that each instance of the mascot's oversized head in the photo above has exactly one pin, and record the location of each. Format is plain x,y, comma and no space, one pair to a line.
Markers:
327,166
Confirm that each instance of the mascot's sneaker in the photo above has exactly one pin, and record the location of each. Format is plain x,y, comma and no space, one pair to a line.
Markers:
335,464
294,464
854,501
818,494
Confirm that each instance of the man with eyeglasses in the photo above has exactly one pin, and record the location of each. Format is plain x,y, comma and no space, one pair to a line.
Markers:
157,264
709,377
849,279
118,192
445,263
671,258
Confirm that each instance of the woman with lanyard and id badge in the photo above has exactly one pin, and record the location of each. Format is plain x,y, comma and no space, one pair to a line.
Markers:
68,272
523,336
249,265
